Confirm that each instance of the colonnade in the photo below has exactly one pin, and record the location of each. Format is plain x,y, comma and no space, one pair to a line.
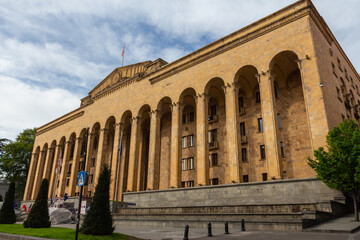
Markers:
138,165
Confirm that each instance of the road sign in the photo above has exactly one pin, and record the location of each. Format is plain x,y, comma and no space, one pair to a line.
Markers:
82,179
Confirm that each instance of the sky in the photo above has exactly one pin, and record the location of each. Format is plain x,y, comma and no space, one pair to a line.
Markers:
52,53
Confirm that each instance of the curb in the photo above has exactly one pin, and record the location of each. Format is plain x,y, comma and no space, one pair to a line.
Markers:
7,236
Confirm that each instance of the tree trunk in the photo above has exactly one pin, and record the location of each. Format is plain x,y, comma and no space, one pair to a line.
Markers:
356,206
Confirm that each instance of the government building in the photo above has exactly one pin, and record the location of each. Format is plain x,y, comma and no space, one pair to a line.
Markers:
245,110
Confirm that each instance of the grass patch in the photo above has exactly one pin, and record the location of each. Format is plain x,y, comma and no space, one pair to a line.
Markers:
56,233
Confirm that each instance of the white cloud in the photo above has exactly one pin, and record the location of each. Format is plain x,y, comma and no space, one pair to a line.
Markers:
23,106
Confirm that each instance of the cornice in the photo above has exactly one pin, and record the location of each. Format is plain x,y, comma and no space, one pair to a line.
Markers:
235,43
52,126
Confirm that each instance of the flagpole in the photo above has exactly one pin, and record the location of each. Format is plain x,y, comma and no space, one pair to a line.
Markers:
123,55
117,168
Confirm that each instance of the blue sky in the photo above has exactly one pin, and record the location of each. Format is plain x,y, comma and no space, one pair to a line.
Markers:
52,53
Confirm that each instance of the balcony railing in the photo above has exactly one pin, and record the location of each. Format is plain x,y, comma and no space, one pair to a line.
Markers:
242,111
213,118
244,140
213,145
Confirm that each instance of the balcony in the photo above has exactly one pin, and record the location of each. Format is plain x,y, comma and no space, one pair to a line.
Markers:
244,140
213,145
242,111
213,118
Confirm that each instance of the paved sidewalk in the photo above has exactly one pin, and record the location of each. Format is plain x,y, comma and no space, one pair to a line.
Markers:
344,224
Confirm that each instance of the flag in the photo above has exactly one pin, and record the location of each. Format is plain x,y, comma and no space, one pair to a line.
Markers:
59,162
120,147
123,51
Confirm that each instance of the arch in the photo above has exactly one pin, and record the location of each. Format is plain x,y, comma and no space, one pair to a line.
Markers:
282,65
290,107
144,109
126,115
186,93
164,104
246,78
214,88
109,121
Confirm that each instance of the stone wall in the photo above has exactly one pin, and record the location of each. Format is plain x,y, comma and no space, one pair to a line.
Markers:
293,191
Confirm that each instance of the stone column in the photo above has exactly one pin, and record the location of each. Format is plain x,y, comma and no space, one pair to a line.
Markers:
175,143
202,142
154,141
30,178
88,159
232,141
52,183
99,156
119,128
48,165
62,175
122,174
133,158
38,174
271,130
75,167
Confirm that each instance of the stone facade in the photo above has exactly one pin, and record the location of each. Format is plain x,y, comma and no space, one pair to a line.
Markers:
249,107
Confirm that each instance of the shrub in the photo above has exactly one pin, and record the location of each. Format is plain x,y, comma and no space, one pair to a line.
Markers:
98,220
7,212
39,213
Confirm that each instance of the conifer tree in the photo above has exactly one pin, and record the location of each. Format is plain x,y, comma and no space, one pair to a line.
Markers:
39,213
98,220
7,212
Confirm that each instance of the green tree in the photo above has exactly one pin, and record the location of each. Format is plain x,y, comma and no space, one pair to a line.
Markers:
39,213
98,220
15,158
7,212
339,167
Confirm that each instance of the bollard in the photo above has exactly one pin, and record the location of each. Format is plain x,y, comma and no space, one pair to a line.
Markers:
226,228
209,230
186,233
242,225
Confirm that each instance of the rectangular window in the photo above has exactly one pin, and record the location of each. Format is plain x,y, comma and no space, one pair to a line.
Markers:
190,183
183,142
60,169
339,64
243,155
257,95
333,69
182,184
213,159
264,176
282,149
183,164
246,178
242,129
58,183
262,151
69,171
284,174
275,90
279,120
91,178
93,162
215,181
192,140
184,118
191,117
241,102
212,135
213,110
191,165
260,125
67,182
